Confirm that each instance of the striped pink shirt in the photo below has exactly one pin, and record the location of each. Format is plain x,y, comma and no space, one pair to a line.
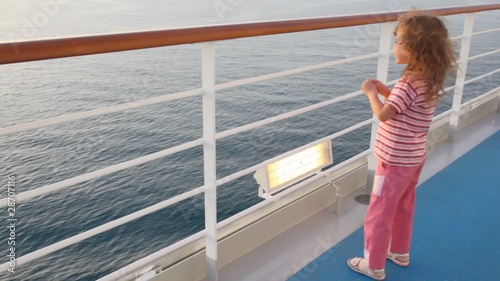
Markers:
401,140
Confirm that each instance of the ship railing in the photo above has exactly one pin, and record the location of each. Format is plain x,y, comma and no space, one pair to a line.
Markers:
18,52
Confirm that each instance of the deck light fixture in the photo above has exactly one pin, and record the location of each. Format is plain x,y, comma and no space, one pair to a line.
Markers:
289,169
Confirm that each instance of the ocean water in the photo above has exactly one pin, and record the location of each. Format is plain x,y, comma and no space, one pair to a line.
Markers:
38,90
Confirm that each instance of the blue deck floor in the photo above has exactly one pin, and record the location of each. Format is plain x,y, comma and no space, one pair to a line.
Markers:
456,230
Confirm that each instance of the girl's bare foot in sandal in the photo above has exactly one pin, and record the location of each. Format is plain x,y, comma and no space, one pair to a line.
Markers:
399,259
360,265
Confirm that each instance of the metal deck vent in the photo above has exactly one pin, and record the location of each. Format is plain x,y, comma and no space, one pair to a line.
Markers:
362,199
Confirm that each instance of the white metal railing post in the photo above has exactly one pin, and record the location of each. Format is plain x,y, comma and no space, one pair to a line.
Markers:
461,73
209,158
386,32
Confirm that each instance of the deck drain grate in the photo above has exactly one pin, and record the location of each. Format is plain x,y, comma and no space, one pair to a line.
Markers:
362,199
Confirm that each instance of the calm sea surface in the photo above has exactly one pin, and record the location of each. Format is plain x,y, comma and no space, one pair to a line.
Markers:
38,90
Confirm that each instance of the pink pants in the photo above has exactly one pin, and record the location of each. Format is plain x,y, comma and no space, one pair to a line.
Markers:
389,218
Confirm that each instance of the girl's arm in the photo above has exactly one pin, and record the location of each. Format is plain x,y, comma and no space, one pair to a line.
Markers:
382,111
381,88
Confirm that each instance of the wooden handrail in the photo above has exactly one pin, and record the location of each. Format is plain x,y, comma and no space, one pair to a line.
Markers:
14,52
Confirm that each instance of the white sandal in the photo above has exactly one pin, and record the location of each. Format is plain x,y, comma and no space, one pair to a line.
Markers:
354,265
393,257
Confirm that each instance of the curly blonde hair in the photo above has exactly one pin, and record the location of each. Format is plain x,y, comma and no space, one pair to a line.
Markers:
432,57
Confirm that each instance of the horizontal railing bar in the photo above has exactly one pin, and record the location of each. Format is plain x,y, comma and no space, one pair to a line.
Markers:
99,173
255,167
13,52
102,228
97,112
273,119
441,116
465,104
449,88
292,72
486,31
283,116
446,113
484,54
457,37
392,82
481,77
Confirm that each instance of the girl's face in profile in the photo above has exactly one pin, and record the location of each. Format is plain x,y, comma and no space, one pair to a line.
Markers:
400,53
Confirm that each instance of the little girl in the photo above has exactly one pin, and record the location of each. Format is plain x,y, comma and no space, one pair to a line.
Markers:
422,43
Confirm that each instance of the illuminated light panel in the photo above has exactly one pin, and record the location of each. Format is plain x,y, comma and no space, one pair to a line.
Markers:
290,169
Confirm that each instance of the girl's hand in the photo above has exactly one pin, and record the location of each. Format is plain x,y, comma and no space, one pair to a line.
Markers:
369,88
381,88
